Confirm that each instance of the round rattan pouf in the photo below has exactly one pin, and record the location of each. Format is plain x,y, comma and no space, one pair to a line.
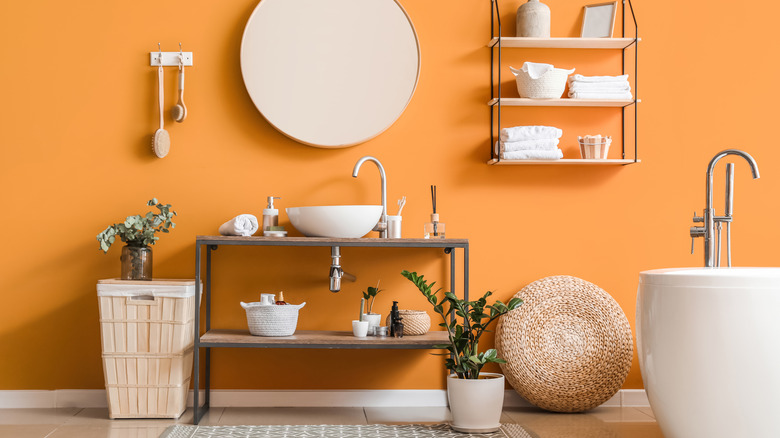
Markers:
568,347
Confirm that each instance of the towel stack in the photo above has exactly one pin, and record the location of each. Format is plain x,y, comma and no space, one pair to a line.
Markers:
529,143
599,87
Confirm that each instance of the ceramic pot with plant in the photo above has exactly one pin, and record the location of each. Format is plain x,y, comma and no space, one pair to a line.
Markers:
138,233
475,398
374,319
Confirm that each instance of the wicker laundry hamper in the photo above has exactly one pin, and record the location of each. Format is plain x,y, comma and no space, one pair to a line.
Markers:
568,347
416,322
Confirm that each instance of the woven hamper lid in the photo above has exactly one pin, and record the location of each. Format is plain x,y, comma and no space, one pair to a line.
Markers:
568,347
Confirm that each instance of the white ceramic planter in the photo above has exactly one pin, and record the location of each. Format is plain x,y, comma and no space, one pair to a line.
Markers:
374,320
476,403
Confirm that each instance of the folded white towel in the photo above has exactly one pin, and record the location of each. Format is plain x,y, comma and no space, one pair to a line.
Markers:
620,95
241,225
555,154
520,133
527,145
599,86
581,78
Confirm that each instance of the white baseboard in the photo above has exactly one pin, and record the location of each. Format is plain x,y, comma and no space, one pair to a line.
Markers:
96,398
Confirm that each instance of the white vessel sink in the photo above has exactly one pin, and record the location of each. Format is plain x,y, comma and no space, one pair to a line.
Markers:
338,221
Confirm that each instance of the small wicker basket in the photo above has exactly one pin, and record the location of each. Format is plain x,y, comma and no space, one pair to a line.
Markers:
549,86
271,320
416,322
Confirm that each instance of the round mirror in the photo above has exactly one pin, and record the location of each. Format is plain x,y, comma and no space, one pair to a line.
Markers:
330,73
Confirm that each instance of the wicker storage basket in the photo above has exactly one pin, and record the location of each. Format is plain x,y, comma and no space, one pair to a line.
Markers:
146,330
568,347
416,322
548,86
271,320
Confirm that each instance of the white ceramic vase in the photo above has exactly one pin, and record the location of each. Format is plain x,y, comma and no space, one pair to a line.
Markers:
476,403
533,20
374,320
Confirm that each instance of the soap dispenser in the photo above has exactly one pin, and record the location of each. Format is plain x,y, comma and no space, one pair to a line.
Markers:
270,215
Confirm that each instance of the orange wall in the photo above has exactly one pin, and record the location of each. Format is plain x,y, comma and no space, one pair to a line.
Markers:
78,110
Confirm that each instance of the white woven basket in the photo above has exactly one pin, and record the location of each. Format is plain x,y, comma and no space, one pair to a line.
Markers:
271,320
549,86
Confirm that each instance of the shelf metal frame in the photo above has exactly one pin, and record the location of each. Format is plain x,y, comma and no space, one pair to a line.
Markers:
212,243
495,103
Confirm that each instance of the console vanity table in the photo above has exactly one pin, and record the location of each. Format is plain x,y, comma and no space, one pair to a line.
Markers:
209,337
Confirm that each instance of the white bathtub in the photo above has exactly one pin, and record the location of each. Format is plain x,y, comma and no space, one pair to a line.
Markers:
709,350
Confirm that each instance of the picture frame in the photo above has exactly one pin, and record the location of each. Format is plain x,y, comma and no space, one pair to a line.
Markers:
598,20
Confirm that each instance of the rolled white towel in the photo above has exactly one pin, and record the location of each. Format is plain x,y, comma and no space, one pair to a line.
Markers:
527,145
241,225
521,133
581,78
624,95
555,154
599,86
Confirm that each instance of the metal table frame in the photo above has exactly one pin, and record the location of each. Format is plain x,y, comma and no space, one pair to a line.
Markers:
213,242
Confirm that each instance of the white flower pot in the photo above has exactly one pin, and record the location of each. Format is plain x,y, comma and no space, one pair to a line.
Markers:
476,404
374,320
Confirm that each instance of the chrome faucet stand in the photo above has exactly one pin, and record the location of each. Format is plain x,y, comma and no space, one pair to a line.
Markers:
710,220
381,226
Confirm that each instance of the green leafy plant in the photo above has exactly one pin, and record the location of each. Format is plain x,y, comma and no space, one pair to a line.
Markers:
139,230
463,321
370,296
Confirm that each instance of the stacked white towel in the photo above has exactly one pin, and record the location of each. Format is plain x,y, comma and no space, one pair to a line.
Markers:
599,87
241,225
529,143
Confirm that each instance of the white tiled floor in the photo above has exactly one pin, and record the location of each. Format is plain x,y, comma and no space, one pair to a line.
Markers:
94,422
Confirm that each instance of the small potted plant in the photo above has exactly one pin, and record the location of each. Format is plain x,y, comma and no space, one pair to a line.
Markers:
374,319
138,232
475,398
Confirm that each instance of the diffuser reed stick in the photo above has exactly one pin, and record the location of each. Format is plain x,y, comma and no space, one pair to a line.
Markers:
433,201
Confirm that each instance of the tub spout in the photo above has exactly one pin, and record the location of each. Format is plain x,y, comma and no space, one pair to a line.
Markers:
710,219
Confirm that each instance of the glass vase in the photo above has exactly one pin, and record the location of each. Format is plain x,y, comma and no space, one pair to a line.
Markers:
136,262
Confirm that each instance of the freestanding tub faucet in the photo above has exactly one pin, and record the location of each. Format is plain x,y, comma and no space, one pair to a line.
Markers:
710,219
381,226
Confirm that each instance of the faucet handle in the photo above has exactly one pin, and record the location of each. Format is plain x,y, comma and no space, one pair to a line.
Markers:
697,218
695,232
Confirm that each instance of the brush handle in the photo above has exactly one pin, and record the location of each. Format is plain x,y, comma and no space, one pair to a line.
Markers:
160,91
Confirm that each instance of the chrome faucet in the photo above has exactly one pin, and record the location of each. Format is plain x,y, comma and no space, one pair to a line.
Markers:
709,219
381,226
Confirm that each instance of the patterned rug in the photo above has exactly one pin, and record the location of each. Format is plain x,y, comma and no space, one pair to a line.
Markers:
337,431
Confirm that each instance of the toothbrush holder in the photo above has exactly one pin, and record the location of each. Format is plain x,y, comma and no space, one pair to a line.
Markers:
394,227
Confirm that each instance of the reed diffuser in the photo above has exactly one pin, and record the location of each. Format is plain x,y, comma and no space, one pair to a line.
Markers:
434,229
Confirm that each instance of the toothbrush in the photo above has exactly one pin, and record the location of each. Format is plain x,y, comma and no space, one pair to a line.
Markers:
401,203
362,305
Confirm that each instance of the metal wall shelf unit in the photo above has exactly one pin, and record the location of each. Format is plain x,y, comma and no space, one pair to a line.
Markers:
497,102
209,337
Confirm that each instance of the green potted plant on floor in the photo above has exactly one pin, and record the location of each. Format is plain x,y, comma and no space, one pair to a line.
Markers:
138,233
475,398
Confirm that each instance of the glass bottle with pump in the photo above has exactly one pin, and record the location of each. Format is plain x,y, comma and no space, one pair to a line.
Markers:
270,215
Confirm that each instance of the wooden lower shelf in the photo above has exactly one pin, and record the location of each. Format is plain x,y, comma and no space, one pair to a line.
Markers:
320,339
578,161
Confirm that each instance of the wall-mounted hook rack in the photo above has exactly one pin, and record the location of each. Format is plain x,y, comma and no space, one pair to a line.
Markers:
169,59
